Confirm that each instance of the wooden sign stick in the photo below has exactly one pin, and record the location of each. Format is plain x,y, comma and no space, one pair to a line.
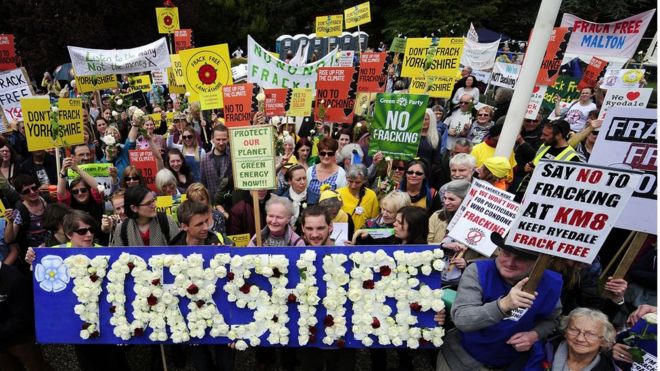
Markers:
615,258
542,262
630,255
257,217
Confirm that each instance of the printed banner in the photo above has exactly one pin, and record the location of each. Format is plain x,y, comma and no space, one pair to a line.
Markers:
14,85
505,74
397,125
144,161
569,209
554,54
618,40
154,56
447,57
142,82
168,19
398,45
7,52
335,92
373,72
615,78
301,102
627,140
207,69
477,185
630,98
88,84
269,72
357,15
277,102
592,74
264,296
435,87
331,25
535,101
238,100
479,56
38,127
414,58
183,39
253,157
565,87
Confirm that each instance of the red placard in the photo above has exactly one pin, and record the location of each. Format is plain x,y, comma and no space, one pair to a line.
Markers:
373,73
336,94
183,39
143,160
238,104
554,54
593,73
7,52
276,102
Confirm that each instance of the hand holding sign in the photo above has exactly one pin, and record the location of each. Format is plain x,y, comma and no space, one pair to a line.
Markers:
517,298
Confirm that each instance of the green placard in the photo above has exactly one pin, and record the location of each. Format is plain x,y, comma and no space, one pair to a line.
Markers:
253,157
397,124
565,87
398,45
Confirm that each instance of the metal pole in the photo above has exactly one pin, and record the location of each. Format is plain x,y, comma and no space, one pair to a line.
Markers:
545,21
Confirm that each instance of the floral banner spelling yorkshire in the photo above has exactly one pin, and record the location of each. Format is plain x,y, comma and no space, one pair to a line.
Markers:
252,296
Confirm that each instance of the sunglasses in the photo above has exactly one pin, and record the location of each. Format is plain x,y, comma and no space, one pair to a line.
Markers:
418,173
529,120
84,231
32,189
149,203
483,115
326,154
400,168
186,136
463,102
79,190
132,178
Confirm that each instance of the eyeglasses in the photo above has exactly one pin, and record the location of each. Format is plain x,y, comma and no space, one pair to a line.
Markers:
149,203
31,189
186,136
400,168
79,190
418,173
326,154
132,178
588,335
83,231
529,120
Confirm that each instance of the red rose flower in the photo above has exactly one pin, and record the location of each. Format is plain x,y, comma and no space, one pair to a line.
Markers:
291,298
93,277
375,323
312,338
328,321
368,284
275,319
312,330
385,271
139,331
245,288
200,303
130,266
207,74
156,282
423,341
152,300
230,276
94,334
193,289
276,273
341,343
415,307
112,309
86,325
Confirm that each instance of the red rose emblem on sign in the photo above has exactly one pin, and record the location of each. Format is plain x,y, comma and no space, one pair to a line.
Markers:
207,74
167,20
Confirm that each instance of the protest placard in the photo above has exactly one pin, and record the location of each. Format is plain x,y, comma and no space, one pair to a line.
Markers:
14,85
88,84
335,94
7,52
277,102
41,120
168,19
100,172
345,58
505,74
373,72
435,87
398,45
569,209
301,102
630,98
565,87
238,101
475,188
159,77
479,56
397,125
153,56
414,57
330,25
142,82
206,70
172,85
240,240
622,78
357,15
177,68
535,101
447,57
593,73
554,54
253,157
487,211
362,103
627,139
183,39
270,72
265,296
144,161
610,41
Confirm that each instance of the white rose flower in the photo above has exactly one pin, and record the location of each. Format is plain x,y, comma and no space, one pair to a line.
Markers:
426,270
109,140
241,345
275,120
651,318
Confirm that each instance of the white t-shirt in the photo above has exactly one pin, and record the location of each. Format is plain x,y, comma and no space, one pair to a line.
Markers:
577,115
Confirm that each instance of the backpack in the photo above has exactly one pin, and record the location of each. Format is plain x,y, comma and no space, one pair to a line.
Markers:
162,222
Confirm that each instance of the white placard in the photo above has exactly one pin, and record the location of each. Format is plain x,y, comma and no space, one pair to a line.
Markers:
153,56
629,98
535,101
505,74
14,85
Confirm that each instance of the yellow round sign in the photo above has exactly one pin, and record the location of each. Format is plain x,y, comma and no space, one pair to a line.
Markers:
206,69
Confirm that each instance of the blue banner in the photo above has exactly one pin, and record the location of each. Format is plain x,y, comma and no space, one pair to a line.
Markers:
262,296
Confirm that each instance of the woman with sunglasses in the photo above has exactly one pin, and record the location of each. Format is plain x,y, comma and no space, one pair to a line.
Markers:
326,172
79,227
144,226
82,193
192,152
481,125
179,167
417,186
132,177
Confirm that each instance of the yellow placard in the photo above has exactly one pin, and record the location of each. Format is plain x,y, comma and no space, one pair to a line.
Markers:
2,210
447,57
164,204
240,240
415,57
38,128
177,69
357,15
301,102
210,100
142,82
362,102
330,25
173,86
207,69
168,19
435,87
169,119
87,84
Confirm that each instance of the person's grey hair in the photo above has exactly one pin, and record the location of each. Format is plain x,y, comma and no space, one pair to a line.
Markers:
396,200
277,200
289,139
463,159
357,170
163,178
347,151
459,187
609,333
463,142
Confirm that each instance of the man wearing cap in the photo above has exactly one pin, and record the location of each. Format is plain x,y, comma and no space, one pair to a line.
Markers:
498,325
486,150
495,171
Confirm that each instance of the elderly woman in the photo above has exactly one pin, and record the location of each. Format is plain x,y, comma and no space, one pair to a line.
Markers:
481,125
587,336
326,172
278,232
389,206
358,200
166,183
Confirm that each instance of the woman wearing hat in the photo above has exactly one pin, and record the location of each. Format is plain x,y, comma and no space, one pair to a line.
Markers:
333,202
495,171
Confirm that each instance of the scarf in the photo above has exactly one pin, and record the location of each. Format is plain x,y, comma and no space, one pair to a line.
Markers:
560,362
297,199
